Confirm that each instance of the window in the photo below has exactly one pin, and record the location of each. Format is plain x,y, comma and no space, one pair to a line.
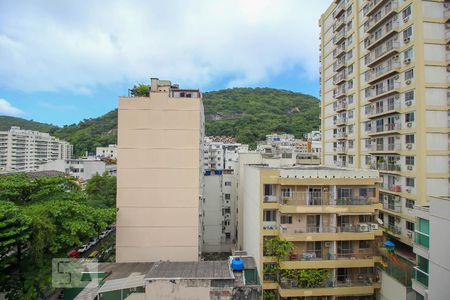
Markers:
350,84
410,226
409,160
410,181
410,203
270,215
350,69
269,190
334,158
409,117
227,183
349,26
350,98
368,160
350,159
350,144
227,196
349,54
364,244
349,10
381,216
409,74
408,53
350,114
407,33
286,219
409,138
406,12
350,40
409,95
228,235
365,219
350,129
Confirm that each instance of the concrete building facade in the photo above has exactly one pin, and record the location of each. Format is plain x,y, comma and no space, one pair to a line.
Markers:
106,152
160,175
26,150
329,214
432,241
385,99
81,168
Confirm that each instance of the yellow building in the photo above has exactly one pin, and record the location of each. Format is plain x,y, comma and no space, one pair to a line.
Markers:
327,215
384,89
159,175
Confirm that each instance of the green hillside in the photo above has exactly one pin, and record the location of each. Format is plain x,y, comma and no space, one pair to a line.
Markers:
247,113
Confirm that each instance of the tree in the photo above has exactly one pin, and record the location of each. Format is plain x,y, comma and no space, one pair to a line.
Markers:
101,190
14,228
140,90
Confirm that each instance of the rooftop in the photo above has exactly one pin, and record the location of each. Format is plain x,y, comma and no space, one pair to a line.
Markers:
190,270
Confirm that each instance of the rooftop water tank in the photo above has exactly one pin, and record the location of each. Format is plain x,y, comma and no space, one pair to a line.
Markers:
237,264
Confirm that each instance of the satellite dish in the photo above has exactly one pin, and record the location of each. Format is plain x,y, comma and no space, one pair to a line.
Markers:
380,221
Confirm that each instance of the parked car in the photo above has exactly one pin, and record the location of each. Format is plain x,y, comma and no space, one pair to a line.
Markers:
92,241
75,254
84,248
103,234
94,254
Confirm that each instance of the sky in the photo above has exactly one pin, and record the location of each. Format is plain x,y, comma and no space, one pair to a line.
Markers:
64,61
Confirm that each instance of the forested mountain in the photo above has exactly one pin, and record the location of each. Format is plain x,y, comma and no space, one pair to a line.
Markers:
246,113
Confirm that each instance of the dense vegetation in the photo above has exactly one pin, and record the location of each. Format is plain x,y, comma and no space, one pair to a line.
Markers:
246,113
43,218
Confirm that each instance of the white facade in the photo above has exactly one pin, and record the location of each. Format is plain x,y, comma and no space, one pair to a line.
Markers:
81,168
432,273
221,155
26,150
106,152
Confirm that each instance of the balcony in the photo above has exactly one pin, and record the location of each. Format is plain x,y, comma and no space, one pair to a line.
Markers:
341,135
339,64
340,106
339,23
376,38
384,148
395,229
392,206
339,36
306,198
325,259
340,77
339,50
270,199
340,91
383,107
341,149
270,225
340,8
382,89
382,70
372,6
381,51
377,19
340,121
341,163
385,129
391,187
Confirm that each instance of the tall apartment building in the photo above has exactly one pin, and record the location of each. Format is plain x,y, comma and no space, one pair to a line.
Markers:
385,99
26,150
160,175
329,214
221,152
431,245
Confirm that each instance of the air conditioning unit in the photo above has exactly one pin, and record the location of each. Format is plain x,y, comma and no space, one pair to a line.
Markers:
409,234
409,146
408,82
395,57
409,167
409,124
266,198
327,244
405,19
408,190
406,40
374,226
407,61
408,103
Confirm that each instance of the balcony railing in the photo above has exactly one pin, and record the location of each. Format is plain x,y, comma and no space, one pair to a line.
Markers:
421,276
340,121
339,50
340,148
395,207
381,70
376,19
377,37
394,229
339,36
339,91
306,198
379,90
362,280
384,147
270,225
339,23
318,255
341,135
372,6
352,228
339,9
270,198
391,187
385,128
387,106
340,105
340,63
341,163
356,200
339,77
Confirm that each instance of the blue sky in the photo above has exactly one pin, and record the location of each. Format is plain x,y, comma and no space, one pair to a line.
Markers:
65,61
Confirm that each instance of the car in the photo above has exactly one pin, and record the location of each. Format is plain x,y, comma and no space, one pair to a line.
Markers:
103,234
84,248
93,254
75,253
92,241
61,294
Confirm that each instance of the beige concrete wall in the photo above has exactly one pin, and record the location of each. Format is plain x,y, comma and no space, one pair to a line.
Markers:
158,178
164,289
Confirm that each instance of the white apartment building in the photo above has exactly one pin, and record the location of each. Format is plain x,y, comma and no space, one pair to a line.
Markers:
106,152
432,241
221,152
81,168
385,99
26,150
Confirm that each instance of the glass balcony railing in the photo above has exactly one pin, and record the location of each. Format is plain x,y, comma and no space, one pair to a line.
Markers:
384,147
422,239
421,276
382,107
376,19
385,128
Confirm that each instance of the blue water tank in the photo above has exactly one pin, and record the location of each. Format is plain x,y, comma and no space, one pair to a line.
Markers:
237,264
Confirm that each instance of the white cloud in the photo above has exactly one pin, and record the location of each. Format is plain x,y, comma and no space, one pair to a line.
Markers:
76,45
7,109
